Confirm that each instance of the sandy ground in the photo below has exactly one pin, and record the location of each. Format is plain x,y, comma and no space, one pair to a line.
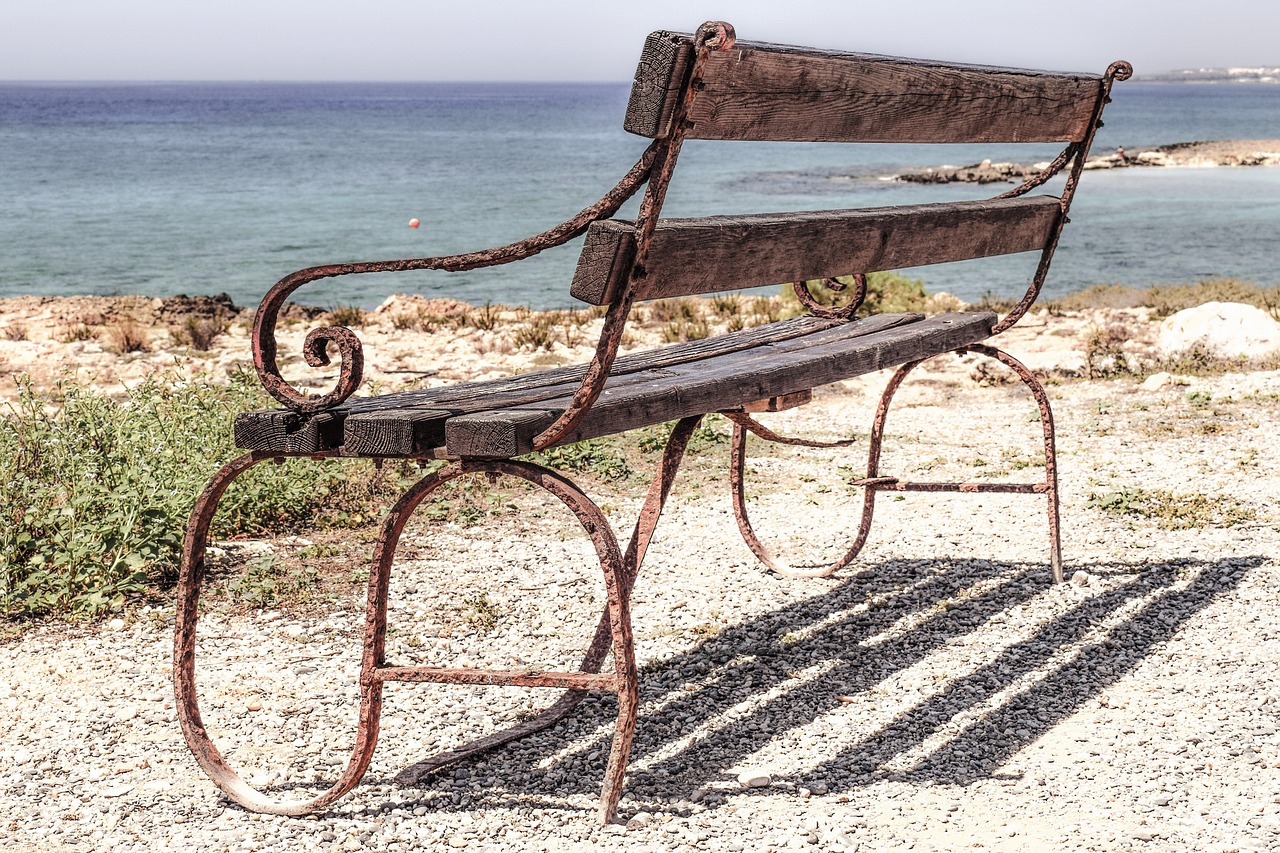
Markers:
940,694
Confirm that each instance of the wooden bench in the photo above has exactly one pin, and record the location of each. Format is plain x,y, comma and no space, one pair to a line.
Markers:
702,86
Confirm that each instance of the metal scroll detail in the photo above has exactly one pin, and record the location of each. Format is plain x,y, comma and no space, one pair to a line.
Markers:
827,312
315,349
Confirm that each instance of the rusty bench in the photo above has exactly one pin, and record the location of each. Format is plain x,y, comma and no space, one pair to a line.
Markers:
704,86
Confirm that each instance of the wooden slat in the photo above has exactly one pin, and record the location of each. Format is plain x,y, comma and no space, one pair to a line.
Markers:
724,382
284,431
766,91
408,430
656,87
716,253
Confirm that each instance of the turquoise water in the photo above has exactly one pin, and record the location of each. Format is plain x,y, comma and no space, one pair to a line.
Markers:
207,188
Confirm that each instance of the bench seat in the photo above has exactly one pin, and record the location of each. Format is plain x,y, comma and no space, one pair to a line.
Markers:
499,418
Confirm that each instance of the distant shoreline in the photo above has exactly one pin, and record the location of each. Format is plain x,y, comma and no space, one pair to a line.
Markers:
1208,154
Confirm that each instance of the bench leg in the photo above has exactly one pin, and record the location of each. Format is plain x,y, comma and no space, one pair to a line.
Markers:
1050,449
606,637
742,425
184,647
874,482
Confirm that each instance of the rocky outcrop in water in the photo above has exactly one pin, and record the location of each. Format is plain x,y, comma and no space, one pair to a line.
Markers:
1225,153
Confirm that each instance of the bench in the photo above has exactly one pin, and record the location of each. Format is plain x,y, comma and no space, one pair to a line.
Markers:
701,86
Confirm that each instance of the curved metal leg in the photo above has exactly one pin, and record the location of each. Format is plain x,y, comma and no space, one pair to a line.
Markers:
612,633
184,648
874,482
1050,449
742,424
618,582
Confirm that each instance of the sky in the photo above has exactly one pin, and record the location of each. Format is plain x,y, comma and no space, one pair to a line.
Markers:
574,40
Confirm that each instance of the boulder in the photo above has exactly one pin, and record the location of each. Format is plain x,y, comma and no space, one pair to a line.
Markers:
1228,329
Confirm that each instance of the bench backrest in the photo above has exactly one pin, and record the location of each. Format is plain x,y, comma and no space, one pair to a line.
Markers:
706,86
766,92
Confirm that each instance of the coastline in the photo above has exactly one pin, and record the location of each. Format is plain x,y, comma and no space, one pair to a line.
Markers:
1188,155
112,344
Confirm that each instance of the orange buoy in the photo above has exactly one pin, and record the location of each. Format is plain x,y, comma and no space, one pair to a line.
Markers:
413,223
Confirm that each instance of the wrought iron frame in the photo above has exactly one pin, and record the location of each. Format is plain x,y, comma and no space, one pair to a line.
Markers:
620,568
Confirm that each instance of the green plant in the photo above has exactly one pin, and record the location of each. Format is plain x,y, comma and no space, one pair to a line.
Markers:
94,494
686,329
598,456
481,613
1104,354
1199,399
265,582
537,334
1170,511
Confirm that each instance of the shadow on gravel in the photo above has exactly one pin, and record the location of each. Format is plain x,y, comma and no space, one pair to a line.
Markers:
725,699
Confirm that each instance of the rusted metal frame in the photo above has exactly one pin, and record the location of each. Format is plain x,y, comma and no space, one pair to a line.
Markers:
500,677
207,755
742,424
874,482
1050,446
751,425
1044,176
844,312
713,35
375,671
890,484
1116,71
349,348
596,653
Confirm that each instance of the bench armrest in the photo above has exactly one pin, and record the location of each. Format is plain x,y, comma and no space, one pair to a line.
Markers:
350,351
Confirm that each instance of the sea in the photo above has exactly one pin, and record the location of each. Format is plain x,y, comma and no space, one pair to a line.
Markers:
206,188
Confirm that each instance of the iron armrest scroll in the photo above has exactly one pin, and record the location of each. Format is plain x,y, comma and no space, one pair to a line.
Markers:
350,352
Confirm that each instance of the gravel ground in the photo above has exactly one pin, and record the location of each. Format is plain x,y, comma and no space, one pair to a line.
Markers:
940,694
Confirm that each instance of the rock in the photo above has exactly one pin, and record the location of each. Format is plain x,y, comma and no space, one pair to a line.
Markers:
641,819
1080,578
755,779
1228,329
1156,381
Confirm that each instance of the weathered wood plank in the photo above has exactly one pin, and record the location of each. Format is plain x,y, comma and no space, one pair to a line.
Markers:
403,430
765,91
655,89
285,431
727,381
716,253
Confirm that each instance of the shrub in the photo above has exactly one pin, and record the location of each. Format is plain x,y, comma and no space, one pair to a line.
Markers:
199,332
74,333
94,494
348,315
128,335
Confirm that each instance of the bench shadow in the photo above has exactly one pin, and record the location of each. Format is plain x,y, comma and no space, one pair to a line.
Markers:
714,706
